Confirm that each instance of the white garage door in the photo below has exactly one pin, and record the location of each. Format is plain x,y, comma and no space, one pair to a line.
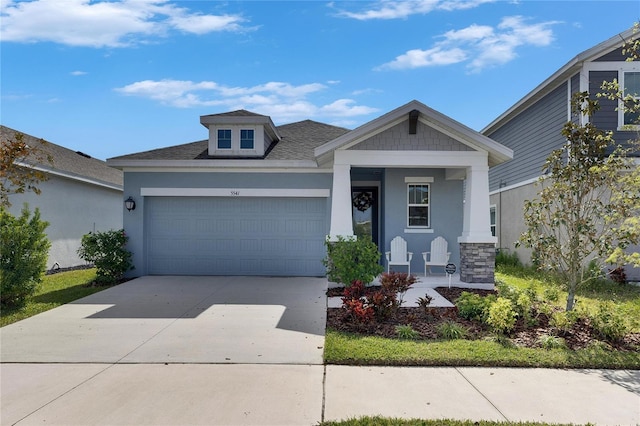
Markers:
235,236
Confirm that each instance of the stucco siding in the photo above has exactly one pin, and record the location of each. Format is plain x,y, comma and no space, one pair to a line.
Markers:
134,223
446,201
397,138
72,209
532,135
510,218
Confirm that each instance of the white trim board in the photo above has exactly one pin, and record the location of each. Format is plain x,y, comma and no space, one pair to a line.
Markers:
234,192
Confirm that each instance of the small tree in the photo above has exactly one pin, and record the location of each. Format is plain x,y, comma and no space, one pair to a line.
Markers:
588,206
23,255
16,175
107,251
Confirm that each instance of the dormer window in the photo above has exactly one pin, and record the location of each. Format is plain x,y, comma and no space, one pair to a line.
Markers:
241,134
247,139
224,138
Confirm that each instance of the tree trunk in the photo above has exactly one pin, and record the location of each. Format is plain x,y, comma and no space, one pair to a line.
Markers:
571,300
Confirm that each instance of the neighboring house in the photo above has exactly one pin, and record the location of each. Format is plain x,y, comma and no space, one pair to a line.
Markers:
532,129
82,194
260,199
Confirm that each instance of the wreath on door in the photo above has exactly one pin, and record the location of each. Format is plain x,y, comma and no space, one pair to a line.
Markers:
363,201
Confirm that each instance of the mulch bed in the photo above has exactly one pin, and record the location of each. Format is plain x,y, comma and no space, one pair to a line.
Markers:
426,322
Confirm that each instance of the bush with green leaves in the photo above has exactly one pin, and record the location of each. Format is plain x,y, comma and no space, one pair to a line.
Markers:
563,321
502,317
608,323
107,251
451,331
473,306
551,342
24,248
504,258
406,332
351,259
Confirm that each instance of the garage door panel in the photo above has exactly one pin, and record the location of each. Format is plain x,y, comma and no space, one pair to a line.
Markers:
235,236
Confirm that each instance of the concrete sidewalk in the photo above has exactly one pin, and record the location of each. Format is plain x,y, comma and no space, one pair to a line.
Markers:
251,394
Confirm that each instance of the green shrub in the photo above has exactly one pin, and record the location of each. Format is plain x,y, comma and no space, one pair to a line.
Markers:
473,306
406,332
107,251
502,316
504,258
24,248
551,294
351,259
563,321
608,323
551,342
451,331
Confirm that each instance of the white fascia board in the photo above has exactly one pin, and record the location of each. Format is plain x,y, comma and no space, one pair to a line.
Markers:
72,176
560,76
213,164
406,159
235,192
219,170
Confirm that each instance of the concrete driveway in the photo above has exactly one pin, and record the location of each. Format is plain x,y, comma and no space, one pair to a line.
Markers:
160,319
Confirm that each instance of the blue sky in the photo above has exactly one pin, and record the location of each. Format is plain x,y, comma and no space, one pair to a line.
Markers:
115,77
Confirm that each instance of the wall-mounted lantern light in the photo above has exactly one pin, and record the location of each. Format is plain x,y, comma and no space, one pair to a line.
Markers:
130,204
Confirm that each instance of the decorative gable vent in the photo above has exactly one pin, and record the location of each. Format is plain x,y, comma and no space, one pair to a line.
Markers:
239,134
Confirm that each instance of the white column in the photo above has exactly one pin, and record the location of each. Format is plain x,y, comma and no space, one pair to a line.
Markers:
476,225
341,221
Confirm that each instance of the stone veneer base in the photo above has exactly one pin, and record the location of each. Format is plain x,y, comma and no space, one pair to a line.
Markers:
477,262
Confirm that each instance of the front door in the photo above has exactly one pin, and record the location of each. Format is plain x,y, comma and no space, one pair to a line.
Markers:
365,212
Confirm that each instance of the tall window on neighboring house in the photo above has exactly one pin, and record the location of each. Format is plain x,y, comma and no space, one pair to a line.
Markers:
418,205
492,219
246,139
631,83
224,139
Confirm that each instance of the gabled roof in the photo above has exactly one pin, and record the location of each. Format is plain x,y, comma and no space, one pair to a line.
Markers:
70,164
560,76
497,152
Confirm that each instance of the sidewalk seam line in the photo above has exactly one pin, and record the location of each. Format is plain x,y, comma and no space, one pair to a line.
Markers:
88,379
483,395
324,392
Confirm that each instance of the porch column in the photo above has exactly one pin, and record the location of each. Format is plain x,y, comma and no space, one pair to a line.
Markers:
477,245
341,221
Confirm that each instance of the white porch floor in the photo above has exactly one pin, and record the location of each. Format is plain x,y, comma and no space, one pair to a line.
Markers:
424,285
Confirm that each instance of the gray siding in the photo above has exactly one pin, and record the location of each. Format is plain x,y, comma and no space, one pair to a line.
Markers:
614,56
446,214
531,135
397,138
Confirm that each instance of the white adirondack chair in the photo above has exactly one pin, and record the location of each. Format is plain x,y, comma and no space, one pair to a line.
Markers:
399,254
438,256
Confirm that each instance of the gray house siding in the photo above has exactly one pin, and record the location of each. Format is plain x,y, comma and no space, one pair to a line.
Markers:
613,56
72,208
446,213
531,135
135,221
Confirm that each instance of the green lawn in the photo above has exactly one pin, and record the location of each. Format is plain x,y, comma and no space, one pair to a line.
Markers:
55,290
385,421
353,349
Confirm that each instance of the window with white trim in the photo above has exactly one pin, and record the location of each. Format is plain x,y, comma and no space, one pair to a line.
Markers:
418,205
631,85
224,139
492,219
247,139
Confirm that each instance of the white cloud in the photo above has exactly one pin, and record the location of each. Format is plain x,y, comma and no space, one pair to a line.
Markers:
104,23
404,9
282,101
481,45
76,73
